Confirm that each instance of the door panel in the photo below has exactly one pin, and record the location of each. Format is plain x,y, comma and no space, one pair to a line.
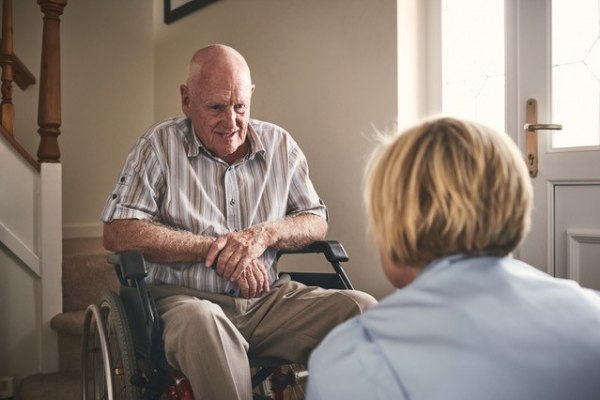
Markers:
567,187
577,242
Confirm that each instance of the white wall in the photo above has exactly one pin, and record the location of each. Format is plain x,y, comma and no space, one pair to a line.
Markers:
324,70
19,280
19,310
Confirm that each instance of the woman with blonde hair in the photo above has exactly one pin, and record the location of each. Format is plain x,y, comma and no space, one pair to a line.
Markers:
448,201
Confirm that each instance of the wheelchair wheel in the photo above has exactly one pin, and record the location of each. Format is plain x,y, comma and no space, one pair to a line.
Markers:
109,360
97,379
285,383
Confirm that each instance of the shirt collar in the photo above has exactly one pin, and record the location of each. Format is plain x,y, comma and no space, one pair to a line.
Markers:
256,144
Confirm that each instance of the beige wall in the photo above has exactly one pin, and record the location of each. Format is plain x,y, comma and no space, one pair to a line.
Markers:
107,100
324,70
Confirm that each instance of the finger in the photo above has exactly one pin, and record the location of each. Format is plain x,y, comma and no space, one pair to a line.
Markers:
244,287
238,269
266,287
213,251
252,287
234,267
260,280
227,261
265,281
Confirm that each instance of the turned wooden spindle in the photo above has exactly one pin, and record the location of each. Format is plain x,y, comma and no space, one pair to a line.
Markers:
49,118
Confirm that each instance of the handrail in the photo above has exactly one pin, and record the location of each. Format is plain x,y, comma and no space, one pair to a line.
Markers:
20,149
7,61
7,108
23,76
12,69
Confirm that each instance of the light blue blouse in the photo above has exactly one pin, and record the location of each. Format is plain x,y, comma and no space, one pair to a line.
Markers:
467,328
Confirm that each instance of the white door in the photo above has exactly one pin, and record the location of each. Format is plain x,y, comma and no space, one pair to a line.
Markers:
553,54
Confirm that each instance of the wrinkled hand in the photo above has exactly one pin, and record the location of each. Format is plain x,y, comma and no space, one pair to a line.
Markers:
235,252
254,281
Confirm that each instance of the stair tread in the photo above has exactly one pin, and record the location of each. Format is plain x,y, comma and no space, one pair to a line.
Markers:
85,279
70,322
83,246
50,386
86,276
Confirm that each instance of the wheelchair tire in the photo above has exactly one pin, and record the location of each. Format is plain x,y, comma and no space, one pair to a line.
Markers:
109,375
96,376
120,343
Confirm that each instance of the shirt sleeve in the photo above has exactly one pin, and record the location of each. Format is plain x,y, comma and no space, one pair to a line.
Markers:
303,197
140,186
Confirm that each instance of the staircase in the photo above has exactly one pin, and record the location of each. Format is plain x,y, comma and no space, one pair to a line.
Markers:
86,276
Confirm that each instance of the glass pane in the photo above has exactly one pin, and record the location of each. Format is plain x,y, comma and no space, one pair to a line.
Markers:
473,74
576,73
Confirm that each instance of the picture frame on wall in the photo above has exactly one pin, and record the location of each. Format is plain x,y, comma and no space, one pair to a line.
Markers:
176,9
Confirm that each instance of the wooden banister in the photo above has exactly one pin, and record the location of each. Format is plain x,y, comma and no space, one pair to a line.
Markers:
7,109
23,77
49,117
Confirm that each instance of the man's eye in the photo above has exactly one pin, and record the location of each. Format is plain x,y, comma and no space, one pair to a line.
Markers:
240,107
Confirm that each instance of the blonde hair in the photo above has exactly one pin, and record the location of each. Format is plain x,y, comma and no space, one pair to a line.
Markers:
447,186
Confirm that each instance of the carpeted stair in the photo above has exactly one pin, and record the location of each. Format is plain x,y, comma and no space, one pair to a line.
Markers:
86,276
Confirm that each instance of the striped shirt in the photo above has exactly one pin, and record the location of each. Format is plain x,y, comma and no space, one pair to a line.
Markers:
170,178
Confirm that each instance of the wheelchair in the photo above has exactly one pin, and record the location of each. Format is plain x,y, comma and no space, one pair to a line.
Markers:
123,354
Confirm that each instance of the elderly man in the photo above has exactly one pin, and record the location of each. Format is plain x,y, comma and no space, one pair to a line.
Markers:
209,198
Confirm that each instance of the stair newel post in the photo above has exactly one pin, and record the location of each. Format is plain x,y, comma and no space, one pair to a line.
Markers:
49,117
7,109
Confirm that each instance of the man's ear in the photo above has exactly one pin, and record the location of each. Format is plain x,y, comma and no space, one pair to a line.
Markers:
185,99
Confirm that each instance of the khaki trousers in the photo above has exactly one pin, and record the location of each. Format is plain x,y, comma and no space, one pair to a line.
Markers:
209,336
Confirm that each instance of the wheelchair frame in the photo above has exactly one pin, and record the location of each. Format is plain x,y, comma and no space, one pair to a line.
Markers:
118,365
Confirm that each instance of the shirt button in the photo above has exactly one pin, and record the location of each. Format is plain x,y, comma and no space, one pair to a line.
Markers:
231,292
231,202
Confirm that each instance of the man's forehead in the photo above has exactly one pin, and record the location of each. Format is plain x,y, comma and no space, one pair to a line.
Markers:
224,94
223,81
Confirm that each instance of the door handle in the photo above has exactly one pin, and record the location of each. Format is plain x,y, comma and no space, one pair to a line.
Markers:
542,127
531,127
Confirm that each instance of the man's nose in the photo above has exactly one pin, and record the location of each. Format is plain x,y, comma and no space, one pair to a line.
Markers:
229,116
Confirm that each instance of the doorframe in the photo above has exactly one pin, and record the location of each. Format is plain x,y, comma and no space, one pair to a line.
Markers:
516,26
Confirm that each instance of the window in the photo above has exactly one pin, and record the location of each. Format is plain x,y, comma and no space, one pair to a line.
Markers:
473,66
576,73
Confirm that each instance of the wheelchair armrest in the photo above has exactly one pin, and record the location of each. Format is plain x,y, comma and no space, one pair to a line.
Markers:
332,249
130,264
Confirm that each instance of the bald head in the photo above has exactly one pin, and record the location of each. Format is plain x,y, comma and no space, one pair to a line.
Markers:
215,61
